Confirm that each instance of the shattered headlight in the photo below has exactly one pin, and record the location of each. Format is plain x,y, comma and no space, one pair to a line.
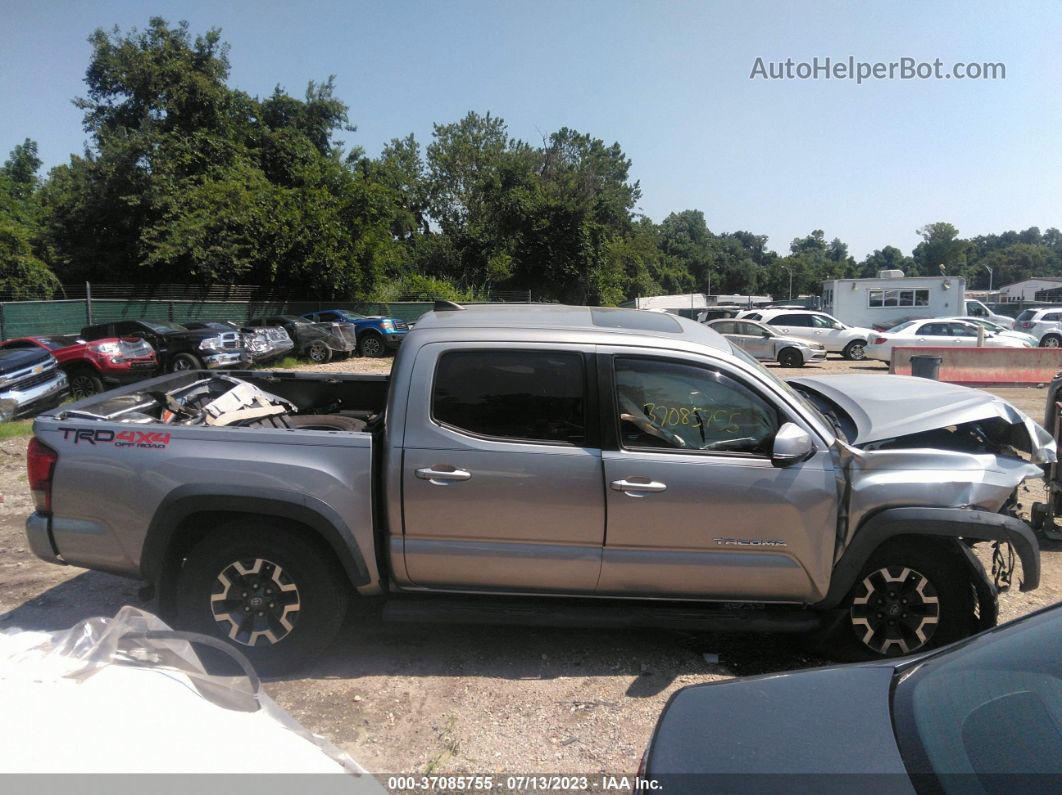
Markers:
211,344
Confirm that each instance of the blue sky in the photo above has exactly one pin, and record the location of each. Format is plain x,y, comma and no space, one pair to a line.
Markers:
669,80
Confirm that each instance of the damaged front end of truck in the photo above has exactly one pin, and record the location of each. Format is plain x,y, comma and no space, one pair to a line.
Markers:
923,458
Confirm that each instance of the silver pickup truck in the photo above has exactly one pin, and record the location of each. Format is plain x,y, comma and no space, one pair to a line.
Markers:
633,466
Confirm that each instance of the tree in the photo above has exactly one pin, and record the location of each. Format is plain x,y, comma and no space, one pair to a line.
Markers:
190,180
23,277
940,247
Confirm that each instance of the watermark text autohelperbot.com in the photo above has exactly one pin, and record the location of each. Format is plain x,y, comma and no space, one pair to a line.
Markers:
849,68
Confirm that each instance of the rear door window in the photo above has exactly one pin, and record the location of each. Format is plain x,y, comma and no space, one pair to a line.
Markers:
803,321
535,396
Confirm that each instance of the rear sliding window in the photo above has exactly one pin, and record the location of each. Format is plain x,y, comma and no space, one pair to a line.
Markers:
536,396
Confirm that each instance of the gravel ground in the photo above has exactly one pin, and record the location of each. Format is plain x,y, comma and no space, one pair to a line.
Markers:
457,699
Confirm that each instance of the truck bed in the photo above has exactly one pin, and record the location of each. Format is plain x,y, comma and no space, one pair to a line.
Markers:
148,468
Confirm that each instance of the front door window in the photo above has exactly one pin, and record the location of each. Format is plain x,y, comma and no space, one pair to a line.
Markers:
676,406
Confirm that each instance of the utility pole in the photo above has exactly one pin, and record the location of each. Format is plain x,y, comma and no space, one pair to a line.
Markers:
990,275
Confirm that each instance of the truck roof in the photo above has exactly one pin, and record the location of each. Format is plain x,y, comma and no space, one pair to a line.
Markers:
637,322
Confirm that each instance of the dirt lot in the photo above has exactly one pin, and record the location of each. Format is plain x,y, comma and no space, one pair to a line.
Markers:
455,699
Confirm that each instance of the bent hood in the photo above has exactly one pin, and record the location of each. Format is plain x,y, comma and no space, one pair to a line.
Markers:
886,407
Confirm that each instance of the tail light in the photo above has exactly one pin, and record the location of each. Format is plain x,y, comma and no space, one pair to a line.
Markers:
40,464
879,341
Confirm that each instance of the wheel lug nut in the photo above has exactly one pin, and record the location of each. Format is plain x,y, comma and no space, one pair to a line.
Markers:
881,615
903,601
259,612
247,610
903,615
272,604
244,594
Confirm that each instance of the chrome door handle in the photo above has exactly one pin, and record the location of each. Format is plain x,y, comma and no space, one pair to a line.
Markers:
440,477
635,488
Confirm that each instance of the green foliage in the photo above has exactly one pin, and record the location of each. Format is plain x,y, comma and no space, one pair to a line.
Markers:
23,277
187,179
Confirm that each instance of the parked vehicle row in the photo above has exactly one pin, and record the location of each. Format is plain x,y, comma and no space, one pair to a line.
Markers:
107,355
949,333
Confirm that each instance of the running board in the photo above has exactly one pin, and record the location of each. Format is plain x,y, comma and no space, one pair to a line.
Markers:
616,615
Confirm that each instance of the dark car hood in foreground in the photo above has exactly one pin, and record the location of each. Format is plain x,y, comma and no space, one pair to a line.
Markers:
21,358
757,734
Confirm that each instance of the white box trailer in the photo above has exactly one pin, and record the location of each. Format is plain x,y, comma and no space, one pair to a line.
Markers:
892,298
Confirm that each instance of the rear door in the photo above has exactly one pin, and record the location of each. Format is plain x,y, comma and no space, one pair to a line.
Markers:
750,337
695,508
795,324
501,471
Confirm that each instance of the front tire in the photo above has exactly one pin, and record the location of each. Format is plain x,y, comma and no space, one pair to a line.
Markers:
910,597
272,590
84,383
1051,341
790,357
183,362
371,344
855,351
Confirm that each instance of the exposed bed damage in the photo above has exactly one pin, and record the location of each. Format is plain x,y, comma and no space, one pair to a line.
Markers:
906,441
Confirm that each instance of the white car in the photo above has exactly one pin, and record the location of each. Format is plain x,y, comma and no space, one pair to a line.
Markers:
995,328
1045,324
835,336
976,310
936,333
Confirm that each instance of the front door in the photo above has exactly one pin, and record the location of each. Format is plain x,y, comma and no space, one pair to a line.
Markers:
695,507
501,471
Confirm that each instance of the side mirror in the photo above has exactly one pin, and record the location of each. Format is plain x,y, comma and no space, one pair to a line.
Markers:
765,334
791,445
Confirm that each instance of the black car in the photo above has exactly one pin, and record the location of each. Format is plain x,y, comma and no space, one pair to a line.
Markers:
981,715
30,382
178,347
317,341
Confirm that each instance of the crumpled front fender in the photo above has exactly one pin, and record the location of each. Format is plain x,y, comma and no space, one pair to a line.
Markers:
950,523
931,478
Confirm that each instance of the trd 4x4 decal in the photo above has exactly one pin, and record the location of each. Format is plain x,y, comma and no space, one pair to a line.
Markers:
141,439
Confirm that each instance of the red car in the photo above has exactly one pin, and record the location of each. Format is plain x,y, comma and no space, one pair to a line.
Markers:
98,365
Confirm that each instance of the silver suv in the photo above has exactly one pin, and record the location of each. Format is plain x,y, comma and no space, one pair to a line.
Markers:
1045,324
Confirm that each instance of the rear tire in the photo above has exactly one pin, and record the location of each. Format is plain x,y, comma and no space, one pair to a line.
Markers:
1051,341
855,350
790,357
270,589
910,597
319,353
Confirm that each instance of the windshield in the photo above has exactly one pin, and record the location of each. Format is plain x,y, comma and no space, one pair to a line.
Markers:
987,708
742,354
53,343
